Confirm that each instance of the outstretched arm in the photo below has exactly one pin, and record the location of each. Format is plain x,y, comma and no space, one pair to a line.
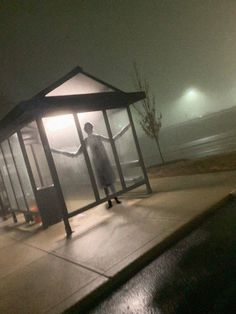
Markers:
118,135
104,138
66,153
122,131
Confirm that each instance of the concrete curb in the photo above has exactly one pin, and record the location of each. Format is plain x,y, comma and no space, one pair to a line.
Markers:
130,270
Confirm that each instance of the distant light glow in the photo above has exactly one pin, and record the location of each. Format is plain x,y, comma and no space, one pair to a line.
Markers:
191,104
191,93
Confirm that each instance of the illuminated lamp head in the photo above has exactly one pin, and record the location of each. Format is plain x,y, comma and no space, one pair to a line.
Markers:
88,128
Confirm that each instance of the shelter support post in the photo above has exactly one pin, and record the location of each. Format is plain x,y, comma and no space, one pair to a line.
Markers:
5,189
10,180
117,161
148,186
18,176
86,156
55,178
27,165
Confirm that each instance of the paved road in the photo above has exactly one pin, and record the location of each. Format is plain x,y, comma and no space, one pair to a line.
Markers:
197,275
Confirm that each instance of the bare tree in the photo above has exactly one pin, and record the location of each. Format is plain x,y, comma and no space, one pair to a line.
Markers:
150,121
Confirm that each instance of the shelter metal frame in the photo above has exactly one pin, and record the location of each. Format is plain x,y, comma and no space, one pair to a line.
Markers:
40,106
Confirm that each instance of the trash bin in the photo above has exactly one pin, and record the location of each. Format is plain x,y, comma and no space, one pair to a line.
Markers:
49,206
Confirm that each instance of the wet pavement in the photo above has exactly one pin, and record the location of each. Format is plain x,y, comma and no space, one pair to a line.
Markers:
197,275
42,271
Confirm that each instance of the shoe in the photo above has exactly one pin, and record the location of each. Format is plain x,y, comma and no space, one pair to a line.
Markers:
109,204
117,200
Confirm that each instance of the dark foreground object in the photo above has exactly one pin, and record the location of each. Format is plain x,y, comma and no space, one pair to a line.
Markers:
197,275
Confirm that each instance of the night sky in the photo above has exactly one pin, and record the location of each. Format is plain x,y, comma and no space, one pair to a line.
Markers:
185,49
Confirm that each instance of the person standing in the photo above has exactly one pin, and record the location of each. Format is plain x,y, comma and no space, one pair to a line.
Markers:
102,166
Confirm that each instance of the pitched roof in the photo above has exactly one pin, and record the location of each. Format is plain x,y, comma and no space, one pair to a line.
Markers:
76,91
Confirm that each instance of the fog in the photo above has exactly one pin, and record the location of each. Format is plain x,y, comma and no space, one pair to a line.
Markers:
178,45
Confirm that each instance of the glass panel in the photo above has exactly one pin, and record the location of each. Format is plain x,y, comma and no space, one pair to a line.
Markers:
78,85
72,170
36,155
21,167
100,151
125,146
3,193
7,183
14,176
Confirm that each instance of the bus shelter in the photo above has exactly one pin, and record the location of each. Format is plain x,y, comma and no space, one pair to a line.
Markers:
68,149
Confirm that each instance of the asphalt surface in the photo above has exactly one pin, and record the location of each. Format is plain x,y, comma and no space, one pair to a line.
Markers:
197,275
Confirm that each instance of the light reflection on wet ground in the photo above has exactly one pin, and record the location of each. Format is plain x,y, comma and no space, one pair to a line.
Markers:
197,275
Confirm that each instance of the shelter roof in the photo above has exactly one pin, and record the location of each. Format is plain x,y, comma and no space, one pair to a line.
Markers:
76,91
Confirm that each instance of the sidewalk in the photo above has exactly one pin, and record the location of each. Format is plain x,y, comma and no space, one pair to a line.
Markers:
43,272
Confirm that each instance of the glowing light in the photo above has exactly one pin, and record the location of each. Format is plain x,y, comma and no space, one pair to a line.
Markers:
92,117
57,123
191,93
